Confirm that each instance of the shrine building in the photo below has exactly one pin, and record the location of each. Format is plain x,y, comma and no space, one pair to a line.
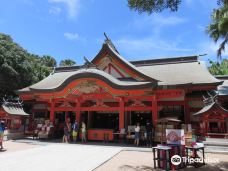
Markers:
110,93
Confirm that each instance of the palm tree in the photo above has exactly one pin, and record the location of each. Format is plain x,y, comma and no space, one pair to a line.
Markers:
218,29
48,61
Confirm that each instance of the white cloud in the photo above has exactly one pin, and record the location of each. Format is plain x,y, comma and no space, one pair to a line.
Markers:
71,36
151,46
211,48
158,20
72,6
167,20
156,23
55,10
155,42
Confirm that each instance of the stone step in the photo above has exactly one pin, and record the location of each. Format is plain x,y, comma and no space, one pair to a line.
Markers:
216,149
216,142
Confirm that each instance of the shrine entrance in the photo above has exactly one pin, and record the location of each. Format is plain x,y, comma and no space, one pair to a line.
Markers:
140,117
214,127
104,120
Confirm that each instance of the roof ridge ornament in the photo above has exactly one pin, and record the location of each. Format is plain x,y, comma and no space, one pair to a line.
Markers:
109,41
210,99
12,102
88,64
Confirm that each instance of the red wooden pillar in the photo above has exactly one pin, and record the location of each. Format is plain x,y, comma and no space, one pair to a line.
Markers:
186,111
121,114
206,124
52,112
222,125
78,112
154,110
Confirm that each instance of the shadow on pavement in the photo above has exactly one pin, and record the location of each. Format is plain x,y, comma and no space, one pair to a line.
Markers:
136,168
221,166
59,141
3,150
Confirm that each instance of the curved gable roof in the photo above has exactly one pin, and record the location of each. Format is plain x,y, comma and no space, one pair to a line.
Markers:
208,107
59,80
107,47
14,109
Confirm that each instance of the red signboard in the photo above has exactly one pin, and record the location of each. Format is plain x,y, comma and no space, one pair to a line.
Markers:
174,93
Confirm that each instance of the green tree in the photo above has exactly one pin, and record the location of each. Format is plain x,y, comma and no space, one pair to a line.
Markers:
18,68
151,6
48,61
218,28
216,68
67,62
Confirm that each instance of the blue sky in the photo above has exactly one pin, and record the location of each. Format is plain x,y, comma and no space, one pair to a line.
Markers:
74,28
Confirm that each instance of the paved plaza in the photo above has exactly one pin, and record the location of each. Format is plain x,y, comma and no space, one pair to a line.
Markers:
57,157
35,155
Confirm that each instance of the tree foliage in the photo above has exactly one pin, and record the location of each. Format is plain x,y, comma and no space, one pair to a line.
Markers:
48,61
219,68
218,28
67,62
18,68
151,6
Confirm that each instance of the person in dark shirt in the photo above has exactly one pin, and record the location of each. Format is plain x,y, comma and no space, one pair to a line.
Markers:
75,131
149,133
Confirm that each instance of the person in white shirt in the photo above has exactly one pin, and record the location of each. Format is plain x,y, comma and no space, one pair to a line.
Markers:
137,134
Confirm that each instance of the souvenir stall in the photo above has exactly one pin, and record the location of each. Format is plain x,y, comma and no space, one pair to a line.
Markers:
177,146
163,124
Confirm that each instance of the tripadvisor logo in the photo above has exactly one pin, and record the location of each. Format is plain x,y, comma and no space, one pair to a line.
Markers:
176,160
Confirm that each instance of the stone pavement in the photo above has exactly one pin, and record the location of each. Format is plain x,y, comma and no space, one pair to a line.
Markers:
58,157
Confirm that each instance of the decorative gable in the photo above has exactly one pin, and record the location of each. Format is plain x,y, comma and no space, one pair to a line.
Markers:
109,66
109,60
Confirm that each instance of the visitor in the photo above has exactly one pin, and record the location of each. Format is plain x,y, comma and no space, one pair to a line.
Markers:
66,129
2,129
149,133
83,132
75,131
69,129
65,134
137,134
